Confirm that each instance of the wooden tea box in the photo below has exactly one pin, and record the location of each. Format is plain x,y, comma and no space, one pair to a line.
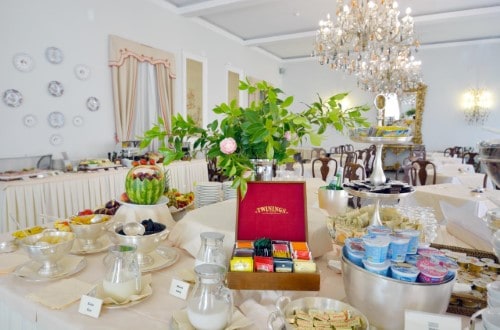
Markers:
275,210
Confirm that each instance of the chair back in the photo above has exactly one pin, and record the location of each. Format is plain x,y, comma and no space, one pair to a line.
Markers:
351,157
370,159
318,153
472,158
419,170
290,166
325,167
354,171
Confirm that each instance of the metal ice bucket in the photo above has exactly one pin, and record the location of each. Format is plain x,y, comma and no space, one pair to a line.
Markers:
383,300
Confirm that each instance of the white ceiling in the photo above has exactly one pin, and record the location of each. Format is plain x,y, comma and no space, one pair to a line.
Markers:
286,29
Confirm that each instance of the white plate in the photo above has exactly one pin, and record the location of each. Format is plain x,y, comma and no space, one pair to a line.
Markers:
23,62
93,103
29,120
82,71
13,98
56,119
54,55
77,121
56,139
162,201
29,271
55,88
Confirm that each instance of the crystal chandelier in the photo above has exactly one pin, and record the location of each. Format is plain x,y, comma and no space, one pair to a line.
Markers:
369,40
476,104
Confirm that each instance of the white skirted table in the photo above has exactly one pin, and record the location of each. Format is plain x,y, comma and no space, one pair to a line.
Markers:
66,193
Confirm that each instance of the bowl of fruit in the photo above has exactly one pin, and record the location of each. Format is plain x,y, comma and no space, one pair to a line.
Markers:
89,226
144,184
178,201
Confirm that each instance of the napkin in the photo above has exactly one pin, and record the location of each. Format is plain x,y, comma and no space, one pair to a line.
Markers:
9,262
257,312
61,294
145,292
463,223
238,321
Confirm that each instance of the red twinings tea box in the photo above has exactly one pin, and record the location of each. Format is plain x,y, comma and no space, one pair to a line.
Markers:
276,210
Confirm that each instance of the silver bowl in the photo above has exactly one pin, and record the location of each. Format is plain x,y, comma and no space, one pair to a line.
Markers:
89,232
489,154
47,248
145,243
383,299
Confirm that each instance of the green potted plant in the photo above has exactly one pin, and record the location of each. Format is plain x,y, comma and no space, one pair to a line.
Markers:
266,129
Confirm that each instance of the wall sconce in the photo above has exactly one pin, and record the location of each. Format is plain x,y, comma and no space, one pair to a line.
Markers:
476,103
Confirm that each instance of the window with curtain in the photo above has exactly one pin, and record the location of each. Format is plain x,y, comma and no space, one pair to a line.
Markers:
143,87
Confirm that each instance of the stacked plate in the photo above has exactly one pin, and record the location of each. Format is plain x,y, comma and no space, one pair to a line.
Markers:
207,193
227,191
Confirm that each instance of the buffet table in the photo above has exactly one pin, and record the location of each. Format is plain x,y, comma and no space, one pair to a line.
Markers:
64,194
19,312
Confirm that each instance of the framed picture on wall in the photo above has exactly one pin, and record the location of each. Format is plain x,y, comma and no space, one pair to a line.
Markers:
195,88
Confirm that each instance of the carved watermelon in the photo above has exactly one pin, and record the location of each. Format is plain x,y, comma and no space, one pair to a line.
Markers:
144,184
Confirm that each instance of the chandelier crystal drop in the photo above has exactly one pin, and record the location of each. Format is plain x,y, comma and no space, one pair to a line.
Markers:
369,40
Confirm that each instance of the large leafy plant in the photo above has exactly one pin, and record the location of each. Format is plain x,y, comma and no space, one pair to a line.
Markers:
266,129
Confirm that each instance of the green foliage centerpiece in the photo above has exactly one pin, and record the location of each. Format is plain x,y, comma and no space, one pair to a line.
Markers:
266,129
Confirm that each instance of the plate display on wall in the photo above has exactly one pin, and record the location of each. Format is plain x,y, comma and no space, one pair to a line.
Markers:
54,55
55,88
23,62
56,139
93,103
56,119
29,120
13,98
77,121
82,71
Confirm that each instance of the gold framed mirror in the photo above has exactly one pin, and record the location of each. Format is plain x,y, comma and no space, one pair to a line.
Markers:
418,95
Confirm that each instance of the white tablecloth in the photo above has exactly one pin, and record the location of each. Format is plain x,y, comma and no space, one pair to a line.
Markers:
67,193
454,194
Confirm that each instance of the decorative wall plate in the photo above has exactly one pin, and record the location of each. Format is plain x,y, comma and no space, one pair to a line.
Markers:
13,98
56,139
54,55
82,71
77,121
29,120
55,88
56,119
23,62
93,103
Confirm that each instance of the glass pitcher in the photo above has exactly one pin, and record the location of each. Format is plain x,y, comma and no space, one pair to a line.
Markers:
211,250
123,275
210,304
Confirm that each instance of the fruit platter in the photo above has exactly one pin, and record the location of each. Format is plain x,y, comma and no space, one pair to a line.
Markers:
178,201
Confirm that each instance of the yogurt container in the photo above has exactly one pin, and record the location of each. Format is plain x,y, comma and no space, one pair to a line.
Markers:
376,248
355,250
412,259
377,268
430,272
446,262
404,272
398,247
414,236
379,230
429,252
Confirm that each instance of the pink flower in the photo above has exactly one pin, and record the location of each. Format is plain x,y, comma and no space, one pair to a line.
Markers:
288,135
228,146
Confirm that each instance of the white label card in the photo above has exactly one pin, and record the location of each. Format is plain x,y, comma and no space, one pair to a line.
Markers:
179,289
90,306
415,320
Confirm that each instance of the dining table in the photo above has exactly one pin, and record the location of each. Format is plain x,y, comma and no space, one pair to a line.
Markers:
35,201
19,311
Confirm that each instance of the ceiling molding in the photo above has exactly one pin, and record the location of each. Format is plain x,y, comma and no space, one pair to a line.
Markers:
457,14
214,7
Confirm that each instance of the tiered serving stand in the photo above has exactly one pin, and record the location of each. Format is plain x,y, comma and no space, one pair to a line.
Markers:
378,178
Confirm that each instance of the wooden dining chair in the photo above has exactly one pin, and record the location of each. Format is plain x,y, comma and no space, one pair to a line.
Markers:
351,157
418,171
290,166
354,171
471,158
325,167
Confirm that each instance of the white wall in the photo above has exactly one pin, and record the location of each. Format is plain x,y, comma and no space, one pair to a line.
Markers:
447,70
80,28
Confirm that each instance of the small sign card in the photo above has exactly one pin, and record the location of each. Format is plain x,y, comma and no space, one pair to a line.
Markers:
90,306
416,320
179,289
